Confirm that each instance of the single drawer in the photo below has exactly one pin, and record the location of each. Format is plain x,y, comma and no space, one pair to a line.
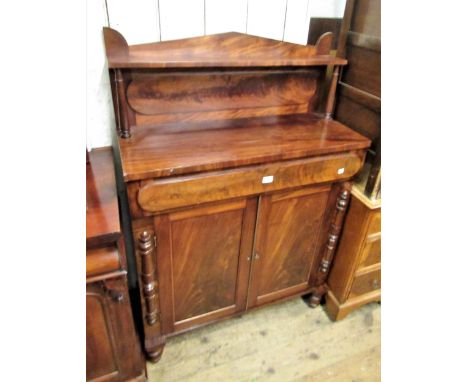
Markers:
365,283
374,224
371,252
102,260
174,192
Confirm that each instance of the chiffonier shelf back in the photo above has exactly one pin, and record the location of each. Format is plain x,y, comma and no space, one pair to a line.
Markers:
223,76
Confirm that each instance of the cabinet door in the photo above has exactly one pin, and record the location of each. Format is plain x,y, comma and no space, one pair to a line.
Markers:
112,350
203,267
285,249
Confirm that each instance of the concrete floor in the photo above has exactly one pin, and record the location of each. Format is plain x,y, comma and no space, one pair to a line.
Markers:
282,342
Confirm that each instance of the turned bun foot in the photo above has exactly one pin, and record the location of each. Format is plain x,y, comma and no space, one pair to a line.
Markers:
313,301
155,355
316,296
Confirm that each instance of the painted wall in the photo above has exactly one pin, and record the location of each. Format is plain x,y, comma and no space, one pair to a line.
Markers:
142,21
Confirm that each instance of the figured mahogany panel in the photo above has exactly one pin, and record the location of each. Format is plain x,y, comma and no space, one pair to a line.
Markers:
229,94
200,251
170,193
181,148
285,244
100,346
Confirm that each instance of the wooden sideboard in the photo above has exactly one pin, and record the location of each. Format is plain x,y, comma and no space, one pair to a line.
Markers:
113,352
236,175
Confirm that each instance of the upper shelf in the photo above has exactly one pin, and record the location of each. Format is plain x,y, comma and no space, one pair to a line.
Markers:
220,50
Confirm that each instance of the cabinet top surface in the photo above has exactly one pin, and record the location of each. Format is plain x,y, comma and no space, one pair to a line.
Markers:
220,50
190,147
102,210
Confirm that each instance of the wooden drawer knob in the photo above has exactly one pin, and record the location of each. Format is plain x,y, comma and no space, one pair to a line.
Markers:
375,284
116,296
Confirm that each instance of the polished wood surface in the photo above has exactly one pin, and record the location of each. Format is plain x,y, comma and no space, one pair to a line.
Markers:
286,242
113,352
176,192
207,256
356,270
148,270
220,50
236,174
202,92
112,349
174,149
331,232
102,209
102,260
185,96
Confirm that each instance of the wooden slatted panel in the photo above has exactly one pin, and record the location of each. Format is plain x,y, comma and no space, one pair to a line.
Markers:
225,16
297,22
181,19
137,20
266,18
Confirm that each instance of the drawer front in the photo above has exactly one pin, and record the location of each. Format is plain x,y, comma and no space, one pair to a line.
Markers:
371,251
365,283
102,260
374,224
171,193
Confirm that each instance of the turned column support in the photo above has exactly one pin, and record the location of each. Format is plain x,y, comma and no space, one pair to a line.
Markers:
332,93
122,114
330,247
146,248
154,341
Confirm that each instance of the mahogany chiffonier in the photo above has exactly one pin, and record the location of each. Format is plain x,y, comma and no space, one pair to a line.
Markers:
236,175
113,352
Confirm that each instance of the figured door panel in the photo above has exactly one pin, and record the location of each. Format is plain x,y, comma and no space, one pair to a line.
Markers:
203,269
285,245
101,360
112,349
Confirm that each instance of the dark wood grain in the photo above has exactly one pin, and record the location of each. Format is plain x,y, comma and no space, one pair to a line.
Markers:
204,262
220,50
112,349
285,247
158,98
328,242
175,192
230,150
174,149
